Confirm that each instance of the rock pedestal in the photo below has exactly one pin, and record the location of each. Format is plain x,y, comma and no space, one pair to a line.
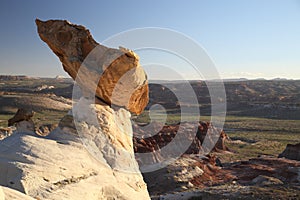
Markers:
103,166
90,154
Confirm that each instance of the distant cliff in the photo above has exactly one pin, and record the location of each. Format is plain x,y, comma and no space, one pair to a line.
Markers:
13,78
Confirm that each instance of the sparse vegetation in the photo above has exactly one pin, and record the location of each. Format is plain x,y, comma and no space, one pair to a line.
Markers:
259,121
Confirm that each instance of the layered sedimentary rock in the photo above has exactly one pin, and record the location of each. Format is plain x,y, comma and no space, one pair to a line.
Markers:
113,75
150,141
99,164
214,136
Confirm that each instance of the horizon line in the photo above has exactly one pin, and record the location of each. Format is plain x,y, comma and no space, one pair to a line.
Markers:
168,80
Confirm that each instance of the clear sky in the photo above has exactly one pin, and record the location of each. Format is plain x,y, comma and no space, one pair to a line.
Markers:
245,38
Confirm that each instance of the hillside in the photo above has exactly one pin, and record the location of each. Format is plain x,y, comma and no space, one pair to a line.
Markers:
274,99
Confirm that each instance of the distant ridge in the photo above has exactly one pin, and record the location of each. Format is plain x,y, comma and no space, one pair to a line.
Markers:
14,77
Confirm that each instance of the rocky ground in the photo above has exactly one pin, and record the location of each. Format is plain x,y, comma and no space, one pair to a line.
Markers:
261,178
192,176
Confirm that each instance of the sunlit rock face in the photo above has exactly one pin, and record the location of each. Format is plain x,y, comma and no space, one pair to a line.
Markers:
113,75
120,86
90,154
60,167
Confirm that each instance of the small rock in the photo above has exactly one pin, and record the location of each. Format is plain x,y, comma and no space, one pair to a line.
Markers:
190,185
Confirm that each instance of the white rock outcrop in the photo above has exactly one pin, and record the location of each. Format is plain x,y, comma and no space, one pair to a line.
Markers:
99,164
90,155
8,193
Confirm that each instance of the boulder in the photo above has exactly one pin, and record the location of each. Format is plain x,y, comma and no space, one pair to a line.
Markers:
292,151
99,164
206,131
112,75
5,132
45,129
155,136
21,115
22,121
26,126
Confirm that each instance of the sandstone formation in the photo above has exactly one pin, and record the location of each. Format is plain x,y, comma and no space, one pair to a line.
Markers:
186,173
90,154
200,174
21,115
292,151
113,75
93,143
67,125
206,131
45,129
61,167
5,132
22,121
8,193
147,141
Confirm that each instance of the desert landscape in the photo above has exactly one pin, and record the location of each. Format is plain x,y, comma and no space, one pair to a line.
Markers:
107,131
258,128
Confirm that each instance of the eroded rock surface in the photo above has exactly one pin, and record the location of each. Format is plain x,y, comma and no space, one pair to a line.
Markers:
99,164
256,178
8,193
157,136
89,155
114,75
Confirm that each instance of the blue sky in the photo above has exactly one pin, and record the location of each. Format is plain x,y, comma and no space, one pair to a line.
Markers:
245,38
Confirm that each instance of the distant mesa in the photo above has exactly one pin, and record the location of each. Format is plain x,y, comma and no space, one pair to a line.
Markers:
14,77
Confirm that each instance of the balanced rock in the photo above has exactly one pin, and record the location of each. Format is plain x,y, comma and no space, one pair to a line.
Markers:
112,75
